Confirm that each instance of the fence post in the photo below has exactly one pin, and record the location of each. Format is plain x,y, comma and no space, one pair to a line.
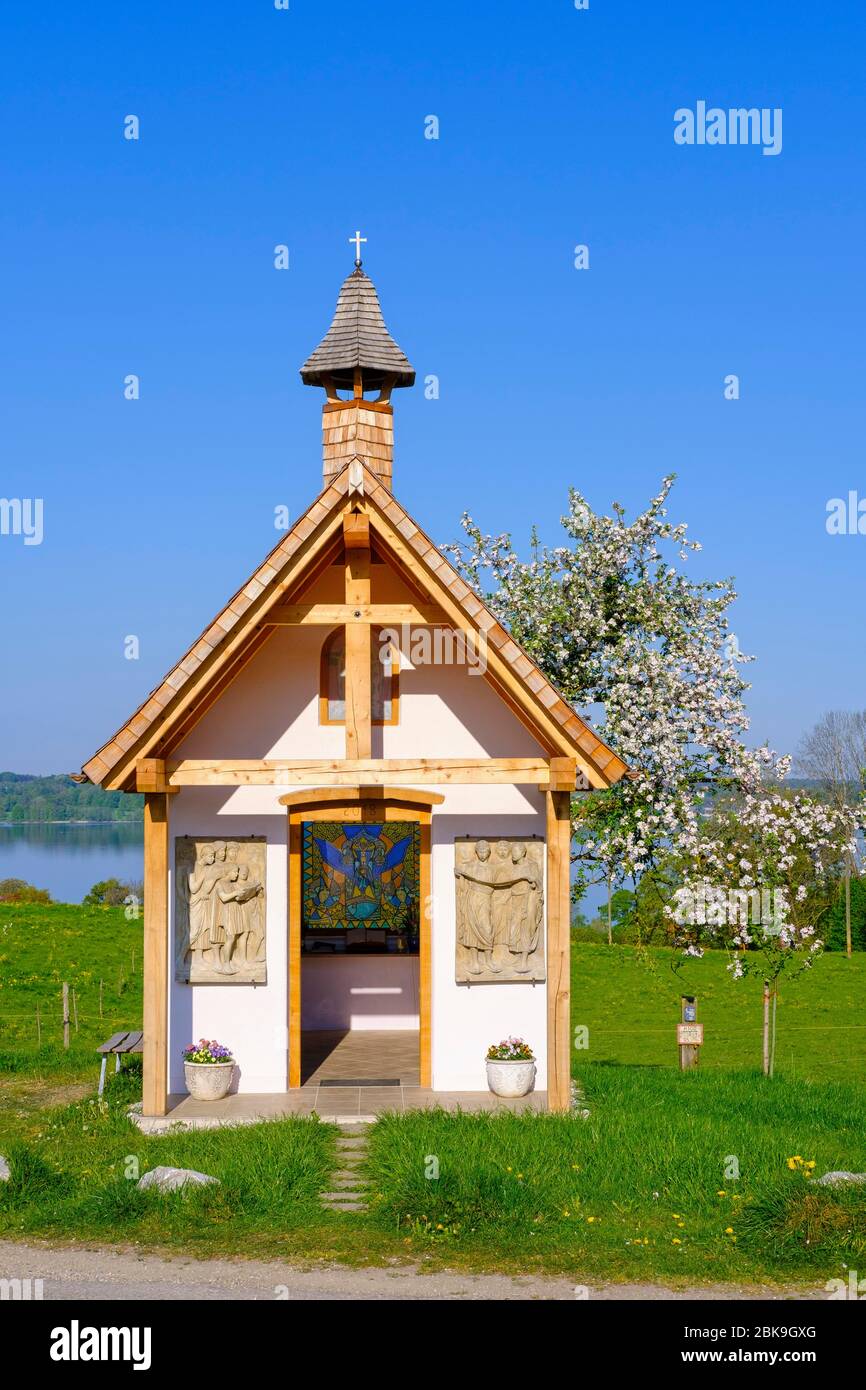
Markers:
65,1015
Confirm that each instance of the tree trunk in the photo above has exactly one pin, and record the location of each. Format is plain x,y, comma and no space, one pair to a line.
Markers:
766,1047
848,912
609,926
773,1033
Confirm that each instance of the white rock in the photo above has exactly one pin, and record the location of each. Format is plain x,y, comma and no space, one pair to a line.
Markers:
168,1179
830,1179
5,1171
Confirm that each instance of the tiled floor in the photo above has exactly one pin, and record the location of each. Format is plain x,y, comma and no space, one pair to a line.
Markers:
360,1056
356,1056
339,1104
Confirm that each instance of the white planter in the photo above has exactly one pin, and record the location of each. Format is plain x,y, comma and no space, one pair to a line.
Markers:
208,1080
511,1079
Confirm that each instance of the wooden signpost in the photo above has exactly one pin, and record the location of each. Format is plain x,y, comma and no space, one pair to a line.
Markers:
690,1033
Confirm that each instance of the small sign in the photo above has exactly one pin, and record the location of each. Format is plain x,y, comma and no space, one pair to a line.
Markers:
690,1034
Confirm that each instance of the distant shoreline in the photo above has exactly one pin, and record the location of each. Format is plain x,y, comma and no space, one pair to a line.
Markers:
12,824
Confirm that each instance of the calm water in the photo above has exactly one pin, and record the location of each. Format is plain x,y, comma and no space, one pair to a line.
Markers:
69,859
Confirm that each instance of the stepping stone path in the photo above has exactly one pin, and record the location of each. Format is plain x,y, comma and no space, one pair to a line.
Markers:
348,1187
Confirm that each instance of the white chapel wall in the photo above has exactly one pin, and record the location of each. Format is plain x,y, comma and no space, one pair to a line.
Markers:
271,711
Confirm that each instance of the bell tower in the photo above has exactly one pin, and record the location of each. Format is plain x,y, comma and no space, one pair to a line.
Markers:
358,355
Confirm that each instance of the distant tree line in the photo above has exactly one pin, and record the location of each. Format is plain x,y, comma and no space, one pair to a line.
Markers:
24,798
109,892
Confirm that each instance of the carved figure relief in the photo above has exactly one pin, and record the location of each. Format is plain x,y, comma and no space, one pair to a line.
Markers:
500,910
220,911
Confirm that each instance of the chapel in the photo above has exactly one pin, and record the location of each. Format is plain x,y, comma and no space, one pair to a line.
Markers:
357,795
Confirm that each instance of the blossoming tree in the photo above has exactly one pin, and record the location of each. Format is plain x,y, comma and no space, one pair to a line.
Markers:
646,650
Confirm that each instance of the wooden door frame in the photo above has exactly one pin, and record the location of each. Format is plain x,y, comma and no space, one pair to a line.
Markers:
371,804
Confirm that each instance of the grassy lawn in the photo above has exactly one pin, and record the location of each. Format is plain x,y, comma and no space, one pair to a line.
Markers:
672,1177
630,1002
74,1172
40,948
638,1190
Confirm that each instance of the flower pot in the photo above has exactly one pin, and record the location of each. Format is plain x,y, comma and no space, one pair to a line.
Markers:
511,1079
208,1080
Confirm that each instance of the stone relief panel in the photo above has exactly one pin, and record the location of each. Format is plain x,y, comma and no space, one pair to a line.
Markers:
500,910
220,910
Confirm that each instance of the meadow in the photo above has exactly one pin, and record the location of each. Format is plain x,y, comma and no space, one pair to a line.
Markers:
707,1176
40,948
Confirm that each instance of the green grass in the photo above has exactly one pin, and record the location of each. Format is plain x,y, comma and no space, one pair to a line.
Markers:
40,948
606,1197
630,1002
639,1190
75,1168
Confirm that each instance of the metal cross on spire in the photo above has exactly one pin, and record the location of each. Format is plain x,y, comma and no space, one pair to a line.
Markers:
357,239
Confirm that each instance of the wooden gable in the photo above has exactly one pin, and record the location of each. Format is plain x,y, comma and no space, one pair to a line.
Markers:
294,585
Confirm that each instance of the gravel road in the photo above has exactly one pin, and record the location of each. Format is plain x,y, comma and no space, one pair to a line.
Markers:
77,1273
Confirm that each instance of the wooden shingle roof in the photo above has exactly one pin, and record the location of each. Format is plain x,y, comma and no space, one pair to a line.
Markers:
358,338
168,712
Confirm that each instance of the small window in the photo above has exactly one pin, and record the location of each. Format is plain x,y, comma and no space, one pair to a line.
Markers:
384,680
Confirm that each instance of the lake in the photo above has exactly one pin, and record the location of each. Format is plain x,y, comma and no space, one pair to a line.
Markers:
69,859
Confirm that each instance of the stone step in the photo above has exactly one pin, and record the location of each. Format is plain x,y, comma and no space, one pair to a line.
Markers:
346,1206
350,1183
347,1175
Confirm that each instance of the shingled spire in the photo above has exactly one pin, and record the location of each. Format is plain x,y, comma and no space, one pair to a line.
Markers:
358,354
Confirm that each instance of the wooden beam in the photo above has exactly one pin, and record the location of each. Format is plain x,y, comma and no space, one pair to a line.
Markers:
425,962
563,776
359,692
294,982
151,776
352,772
156,954
332,614
407,796
558,950
356,530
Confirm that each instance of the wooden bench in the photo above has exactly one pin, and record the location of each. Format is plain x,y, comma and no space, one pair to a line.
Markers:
120,1045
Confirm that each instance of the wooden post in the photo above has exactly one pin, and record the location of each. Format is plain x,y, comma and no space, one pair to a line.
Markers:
155,1022
766,1048
558,963
295,944
359,694
65,1015
425,950
690,1052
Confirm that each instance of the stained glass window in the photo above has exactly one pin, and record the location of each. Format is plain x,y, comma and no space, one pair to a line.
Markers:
360,875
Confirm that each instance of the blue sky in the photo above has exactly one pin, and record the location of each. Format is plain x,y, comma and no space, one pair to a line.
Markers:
261,127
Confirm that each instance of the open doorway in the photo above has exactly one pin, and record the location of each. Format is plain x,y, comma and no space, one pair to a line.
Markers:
359,937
